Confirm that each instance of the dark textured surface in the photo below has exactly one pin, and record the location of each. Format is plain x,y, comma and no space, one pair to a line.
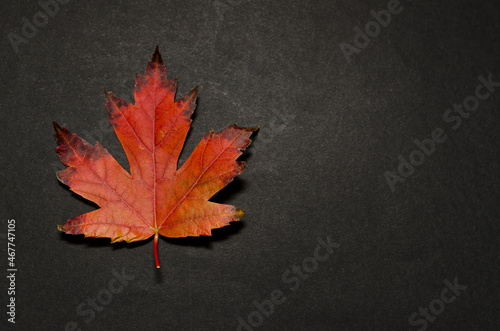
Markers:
330,129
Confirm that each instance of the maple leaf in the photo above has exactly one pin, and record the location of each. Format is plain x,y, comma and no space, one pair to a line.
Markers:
155,198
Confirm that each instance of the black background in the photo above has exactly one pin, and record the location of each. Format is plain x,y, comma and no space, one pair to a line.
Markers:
330,129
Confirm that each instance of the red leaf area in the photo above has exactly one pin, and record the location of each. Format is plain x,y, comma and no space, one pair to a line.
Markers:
155,198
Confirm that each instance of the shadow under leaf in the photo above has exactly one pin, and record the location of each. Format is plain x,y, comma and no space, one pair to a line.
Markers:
92,242
220,234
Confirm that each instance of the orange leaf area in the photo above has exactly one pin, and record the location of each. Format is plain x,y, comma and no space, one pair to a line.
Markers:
155,197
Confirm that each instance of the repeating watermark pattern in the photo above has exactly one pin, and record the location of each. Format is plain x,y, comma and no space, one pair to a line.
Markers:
30,28
372,29
455,118
93,305
267,133
11,270
437,306
276,126
292,278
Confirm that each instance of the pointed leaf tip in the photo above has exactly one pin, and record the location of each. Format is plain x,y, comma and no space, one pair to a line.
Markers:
239,213
157,56
57,127
107,94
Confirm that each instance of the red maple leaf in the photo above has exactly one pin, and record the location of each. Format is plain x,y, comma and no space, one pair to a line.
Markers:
155,197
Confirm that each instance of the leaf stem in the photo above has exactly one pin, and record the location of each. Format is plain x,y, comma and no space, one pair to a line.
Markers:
156,251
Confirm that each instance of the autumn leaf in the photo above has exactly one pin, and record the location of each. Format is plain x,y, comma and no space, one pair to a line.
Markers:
155,198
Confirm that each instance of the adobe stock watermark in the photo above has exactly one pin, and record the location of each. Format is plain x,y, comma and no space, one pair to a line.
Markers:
292,278
93,305
437,306
276,126
454,117
372,29
31,27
